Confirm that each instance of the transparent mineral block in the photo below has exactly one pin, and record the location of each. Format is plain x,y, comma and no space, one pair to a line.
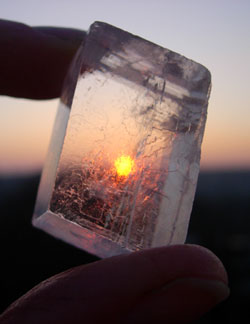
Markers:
123,162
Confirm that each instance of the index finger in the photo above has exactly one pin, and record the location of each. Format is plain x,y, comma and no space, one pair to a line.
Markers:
34,60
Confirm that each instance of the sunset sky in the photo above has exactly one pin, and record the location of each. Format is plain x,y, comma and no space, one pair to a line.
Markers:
215,33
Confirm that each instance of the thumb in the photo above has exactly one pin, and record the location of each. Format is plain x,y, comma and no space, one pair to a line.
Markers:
173,284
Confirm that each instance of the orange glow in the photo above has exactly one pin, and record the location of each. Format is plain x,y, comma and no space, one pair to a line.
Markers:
124,165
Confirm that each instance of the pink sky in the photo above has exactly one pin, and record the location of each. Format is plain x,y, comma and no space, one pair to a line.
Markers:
213,33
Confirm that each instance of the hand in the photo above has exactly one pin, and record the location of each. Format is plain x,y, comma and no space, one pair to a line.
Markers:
174,284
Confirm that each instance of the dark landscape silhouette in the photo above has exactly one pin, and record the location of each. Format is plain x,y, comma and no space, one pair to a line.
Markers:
219,221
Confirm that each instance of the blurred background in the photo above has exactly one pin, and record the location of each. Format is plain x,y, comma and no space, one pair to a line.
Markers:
213,33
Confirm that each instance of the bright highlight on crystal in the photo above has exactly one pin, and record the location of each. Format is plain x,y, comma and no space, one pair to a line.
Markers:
124,165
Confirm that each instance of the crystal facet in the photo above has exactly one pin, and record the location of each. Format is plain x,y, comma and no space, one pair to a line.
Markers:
123,162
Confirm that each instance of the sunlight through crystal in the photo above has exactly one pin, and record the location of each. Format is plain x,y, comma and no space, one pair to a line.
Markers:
124,165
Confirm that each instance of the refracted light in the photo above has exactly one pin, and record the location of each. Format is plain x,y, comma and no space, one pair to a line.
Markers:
124,165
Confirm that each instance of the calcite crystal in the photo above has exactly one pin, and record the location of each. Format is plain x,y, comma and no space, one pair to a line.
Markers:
123,162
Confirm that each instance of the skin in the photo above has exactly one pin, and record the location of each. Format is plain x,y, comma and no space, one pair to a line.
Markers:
174,284
34,61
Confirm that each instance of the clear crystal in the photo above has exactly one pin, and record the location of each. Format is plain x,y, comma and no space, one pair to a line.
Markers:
123,163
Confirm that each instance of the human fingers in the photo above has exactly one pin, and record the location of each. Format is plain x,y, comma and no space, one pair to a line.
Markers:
34,60
174,284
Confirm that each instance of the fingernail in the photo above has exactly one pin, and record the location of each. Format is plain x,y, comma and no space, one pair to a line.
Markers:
190,298
70,36
214,290
181,301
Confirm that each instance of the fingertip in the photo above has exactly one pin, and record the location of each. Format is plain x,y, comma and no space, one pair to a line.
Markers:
34,61
184,260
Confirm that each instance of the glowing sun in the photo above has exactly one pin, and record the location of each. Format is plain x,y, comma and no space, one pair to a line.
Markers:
124,165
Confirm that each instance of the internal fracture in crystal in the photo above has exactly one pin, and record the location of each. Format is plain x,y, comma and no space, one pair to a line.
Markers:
123,163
